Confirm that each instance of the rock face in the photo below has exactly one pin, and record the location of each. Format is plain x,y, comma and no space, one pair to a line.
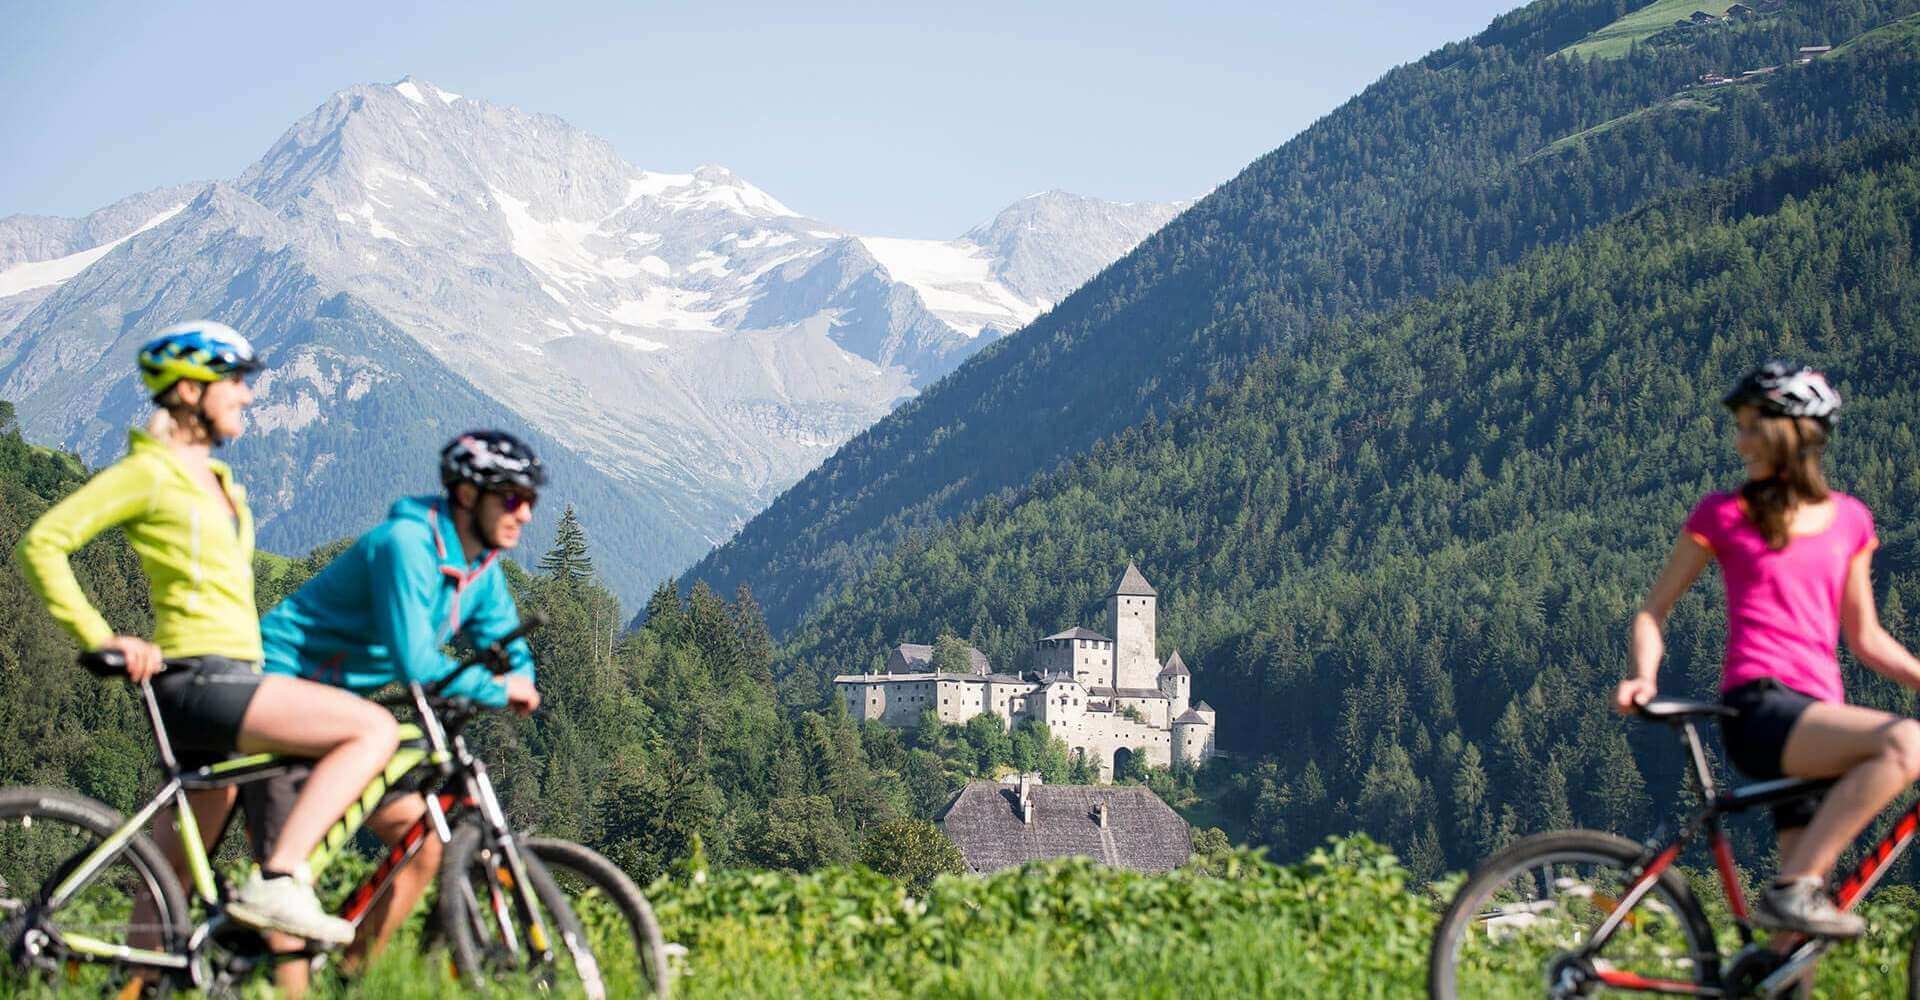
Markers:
696,345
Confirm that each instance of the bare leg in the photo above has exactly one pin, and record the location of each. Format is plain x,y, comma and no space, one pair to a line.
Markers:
391,824
1878,755
291,976
210,807
349,737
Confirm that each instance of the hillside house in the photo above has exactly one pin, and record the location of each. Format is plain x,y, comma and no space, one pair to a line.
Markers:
998,825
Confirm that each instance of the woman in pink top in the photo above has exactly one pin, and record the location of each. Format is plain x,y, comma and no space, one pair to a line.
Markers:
1795,557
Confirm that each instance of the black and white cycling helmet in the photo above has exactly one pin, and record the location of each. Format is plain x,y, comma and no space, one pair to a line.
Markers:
491,460
1779,389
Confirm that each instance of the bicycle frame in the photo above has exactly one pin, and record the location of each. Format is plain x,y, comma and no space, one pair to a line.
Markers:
1802,951
229,774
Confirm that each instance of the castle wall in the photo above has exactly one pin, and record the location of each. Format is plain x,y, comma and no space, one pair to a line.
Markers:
1136,663
893,702
1100,734
1154,710
1195,743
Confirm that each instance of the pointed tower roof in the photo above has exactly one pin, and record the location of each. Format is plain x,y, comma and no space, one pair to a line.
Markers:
1175,667
1132,584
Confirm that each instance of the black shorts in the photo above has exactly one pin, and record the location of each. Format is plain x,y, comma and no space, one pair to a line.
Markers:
203,700
268,801
1757,739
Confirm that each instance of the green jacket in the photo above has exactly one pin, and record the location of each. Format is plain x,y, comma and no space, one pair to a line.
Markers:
198,557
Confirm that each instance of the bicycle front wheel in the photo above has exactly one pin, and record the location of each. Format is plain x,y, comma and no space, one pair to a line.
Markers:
1524,923
129,904
501,930
620,925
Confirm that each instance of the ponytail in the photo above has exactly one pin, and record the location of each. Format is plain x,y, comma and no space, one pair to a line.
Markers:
1795,446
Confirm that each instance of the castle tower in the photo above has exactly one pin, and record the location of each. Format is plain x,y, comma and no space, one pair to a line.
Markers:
1136,662
1177,684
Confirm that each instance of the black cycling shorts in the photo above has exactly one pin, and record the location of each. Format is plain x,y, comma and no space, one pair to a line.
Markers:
202,701
1757,739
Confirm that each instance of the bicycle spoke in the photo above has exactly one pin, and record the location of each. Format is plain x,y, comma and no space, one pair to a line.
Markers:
115,907
1532,930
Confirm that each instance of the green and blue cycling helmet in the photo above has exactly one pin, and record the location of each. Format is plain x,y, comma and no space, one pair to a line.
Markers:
201,350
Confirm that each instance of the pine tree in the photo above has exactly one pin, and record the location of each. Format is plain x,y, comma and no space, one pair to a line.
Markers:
567,560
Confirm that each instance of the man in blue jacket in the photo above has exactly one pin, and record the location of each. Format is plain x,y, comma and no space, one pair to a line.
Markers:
382,612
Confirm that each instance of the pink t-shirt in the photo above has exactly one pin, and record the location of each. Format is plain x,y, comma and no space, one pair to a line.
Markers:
1783,608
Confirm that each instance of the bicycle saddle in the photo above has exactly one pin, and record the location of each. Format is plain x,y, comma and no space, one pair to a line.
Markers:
1667,709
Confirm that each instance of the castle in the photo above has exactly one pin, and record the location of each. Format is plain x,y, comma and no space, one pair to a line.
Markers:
1108,698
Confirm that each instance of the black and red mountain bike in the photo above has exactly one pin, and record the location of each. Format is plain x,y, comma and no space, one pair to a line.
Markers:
1576,912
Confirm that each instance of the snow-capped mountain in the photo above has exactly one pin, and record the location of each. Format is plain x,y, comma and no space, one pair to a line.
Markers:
694,343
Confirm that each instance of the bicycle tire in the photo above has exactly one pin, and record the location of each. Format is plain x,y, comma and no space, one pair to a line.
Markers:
1542,852
567,861
462,923
23,807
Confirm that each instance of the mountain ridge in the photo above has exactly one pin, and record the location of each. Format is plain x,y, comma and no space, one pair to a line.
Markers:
691,338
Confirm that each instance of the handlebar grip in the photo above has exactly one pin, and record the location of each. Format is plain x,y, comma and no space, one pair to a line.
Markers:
104,662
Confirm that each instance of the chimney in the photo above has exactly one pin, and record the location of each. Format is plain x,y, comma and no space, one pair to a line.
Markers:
1100,813
1026,798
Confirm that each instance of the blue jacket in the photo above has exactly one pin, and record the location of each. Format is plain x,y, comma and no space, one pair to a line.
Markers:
384,608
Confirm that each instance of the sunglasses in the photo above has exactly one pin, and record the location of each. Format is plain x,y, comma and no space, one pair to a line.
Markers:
511,502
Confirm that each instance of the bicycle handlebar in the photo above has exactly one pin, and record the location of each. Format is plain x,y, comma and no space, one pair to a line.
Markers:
494,657
110,662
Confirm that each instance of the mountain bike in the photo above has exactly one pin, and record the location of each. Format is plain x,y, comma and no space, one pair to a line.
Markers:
74,874
1573,912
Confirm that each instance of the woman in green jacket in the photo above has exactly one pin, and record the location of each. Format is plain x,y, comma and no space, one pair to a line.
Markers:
188,522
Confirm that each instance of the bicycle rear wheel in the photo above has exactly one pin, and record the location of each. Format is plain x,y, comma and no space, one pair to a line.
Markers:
1519,924
620,925
483,911
133,901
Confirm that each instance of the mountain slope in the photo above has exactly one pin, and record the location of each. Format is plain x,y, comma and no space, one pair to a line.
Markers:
1405,554
694,343
1428,178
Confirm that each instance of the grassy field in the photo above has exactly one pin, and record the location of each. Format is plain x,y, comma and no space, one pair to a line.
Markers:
1613,41
1343,922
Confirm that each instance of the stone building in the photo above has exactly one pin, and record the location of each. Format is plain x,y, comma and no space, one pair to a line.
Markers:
999,826
1107,697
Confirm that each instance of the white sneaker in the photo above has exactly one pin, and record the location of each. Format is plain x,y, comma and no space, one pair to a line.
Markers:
287,905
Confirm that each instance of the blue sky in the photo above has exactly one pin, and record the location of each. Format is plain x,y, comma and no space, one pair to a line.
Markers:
899,119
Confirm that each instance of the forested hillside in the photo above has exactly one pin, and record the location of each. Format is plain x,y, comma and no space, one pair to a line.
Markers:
1401,556
1444,171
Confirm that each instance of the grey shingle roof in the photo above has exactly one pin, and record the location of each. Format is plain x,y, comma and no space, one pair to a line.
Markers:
1176,667
1132,584
1107,692
1143,833
1190,716
914,656
1078,633
1204,707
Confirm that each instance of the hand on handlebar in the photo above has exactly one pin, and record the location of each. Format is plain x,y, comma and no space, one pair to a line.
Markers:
143,657
522,697
1633,693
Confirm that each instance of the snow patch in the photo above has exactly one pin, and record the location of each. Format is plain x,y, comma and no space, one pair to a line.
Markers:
410,92
765,238
447,96
41,273
708,262
655,266
556,324
379,175
954,280
641,343
558,249
557,297
666,309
